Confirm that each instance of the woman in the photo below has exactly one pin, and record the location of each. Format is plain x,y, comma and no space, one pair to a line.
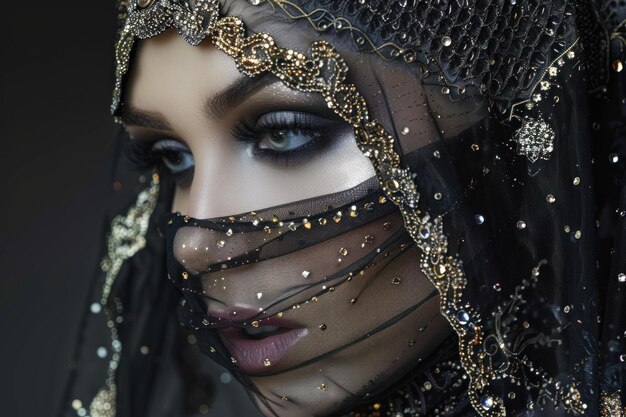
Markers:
379,208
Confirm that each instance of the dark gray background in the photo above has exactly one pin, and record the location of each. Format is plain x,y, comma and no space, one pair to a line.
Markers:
56,77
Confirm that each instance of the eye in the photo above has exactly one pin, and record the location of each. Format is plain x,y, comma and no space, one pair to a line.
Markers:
174,155
288,135
287,140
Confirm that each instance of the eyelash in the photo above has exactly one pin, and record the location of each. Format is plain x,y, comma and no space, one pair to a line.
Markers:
144,155
270,123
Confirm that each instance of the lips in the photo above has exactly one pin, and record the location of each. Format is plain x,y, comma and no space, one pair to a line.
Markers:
261,347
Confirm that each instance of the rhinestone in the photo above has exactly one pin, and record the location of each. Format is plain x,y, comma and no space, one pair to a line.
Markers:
576,181
618,65
405,131
95,308
446,41
486,402
102,352
144,3
393,185
185,275
621,277
521,225
255,323
396,280
323,387
550,198
220,243
437,196
323,327
267,362
424,232
613,158
229,233
463,317
305,274
479,219
440,270
343,251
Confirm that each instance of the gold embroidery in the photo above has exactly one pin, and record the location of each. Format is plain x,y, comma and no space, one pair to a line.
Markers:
126,238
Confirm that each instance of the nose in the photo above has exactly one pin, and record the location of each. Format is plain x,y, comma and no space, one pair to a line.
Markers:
196,248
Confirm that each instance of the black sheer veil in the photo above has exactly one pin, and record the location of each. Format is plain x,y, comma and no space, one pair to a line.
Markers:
522,160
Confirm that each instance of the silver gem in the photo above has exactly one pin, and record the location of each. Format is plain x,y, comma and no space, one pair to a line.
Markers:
621,277
479,219
521,225
535,139
102,352
463,317
225,378
446,41
613,158
486,402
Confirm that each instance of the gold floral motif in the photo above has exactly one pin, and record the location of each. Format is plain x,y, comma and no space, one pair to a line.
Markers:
126,238
324,72
611,405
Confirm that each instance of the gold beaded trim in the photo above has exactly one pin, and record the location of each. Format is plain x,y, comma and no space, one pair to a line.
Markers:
324,72
126,238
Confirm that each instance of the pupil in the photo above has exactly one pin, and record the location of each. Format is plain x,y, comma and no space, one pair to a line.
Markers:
279,138
175,158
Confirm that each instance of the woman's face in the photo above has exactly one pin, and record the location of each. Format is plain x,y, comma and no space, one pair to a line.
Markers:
236,144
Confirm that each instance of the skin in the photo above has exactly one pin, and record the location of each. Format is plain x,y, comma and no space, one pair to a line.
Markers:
172,82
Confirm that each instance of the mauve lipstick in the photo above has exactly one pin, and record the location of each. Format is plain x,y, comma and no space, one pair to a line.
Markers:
258,354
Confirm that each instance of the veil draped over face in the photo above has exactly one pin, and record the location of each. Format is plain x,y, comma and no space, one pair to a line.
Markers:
497,133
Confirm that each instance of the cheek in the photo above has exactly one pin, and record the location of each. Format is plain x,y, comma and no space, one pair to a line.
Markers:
181,199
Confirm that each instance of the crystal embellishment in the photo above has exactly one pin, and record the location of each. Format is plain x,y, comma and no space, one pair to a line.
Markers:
535,139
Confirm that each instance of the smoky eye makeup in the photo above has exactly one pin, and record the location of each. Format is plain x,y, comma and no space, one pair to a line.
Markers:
282,137
287,136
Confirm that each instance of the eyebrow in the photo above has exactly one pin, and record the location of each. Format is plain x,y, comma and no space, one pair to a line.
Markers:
135,117
217,106
214,107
